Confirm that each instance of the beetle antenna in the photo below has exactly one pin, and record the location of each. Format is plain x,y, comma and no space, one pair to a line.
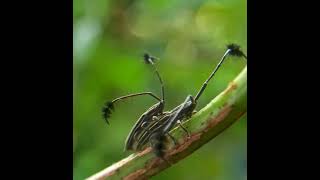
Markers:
233,50
109,105
148,59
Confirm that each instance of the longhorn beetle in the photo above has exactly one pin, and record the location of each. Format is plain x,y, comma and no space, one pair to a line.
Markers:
153,126
155,133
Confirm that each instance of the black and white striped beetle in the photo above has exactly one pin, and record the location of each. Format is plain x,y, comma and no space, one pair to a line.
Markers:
153,125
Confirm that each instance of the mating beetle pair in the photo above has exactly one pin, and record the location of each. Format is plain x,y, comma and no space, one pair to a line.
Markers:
154,125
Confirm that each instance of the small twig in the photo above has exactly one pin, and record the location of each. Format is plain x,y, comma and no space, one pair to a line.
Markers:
210,121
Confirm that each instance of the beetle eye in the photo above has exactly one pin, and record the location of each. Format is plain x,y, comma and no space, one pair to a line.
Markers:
145,124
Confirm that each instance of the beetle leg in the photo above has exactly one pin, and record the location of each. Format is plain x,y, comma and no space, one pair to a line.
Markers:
194,112
173,139
184,129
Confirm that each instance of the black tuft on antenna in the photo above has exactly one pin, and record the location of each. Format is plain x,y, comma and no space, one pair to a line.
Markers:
106,110
148,59
235,50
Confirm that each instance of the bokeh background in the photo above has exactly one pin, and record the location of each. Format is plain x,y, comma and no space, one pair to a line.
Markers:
189,37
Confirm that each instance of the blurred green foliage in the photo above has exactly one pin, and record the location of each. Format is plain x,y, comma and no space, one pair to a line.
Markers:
189,37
